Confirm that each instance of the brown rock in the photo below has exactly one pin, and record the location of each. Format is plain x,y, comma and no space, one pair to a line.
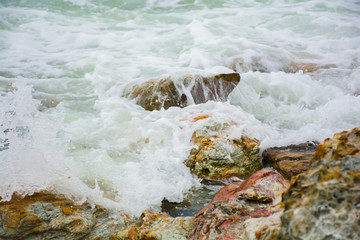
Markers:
290,160
242,210
345,143
154,225
165,93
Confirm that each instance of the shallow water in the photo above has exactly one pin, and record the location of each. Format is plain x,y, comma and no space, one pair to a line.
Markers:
77,56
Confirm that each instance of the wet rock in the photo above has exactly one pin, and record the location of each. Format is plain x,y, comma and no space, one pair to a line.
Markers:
195,199
345,143
323,203
47,216
215,156
290,160
308,67
257,64
48,103
242,210
168,92
254,64
153,225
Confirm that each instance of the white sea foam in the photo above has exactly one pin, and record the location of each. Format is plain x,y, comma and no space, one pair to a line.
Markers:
99,147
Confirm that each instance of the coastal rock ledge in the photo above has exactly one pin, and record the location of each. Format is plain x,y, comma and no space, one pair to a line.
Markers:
324,202
242,210
183,91
47,216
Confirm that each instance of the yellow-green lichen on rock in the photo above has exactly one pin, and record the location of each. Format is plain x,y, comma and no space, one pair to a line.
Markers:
215,156
345,143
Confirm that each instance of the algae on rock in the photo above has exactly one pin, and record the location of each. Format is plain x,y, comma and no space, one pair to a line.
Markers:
215,156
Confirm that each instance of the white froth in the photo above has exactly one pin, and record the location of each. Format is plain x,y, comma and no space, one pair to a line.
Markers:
96,146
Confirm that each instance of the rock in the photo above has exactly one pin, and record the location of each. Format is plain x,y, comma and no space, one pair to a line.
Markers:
168,92
345,143
254,64
308,67
257,64
48,103
290,160
242,210
195,199
48,216
153,225
323,203
215,156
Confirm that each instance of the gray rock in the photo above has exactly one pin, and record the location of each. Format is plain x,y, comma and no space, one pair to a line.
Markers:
324,202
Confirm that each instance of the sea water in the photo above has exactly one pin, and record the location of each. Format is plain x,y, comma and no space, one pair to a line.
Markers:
64,64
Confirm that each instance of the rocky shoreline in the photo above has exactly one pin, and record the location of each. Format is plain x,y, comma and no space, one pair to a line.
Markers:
307,191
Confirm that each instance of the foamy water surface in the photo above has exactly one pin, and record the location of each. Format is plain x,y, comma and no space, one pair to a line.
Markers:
64,64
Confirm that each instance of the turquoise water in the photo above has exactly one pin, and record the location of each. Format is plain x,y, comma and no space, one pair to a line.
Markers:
64,65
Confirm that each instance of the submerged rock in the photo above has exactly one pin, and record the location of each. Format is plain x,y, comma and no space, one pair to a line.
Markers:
168,92
308,67
323,203
257,64
242,210
195,199
47,216
156,226
48,103
290,160
215,156
345,143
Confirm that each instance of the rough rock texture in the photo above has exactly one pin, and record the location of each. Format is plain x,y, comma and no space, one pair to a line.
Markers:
165,93
156,226
242,210
215,156
323,203
290,160
46,216
345,143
